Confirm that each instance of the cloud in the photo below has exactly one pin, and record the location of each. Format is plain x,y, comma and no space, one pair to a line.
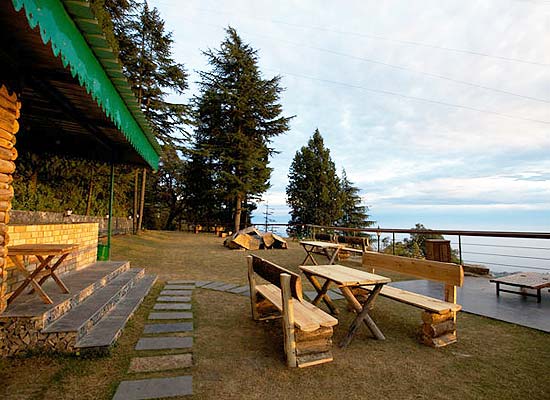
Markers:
401,152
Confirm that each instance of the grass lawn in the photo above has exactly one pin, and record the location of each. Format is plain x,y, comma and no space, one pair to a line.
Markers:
237,358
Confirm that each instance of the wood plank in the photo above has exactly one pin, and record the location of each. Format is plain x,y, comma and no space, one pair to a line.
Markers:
272,273
307,317
321,245
41,249
531,280
449,273
344,276
310,360
418,300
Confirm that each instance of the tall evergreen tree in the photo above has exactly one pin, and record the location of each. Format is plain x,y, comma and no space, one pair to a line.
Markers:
238,115
355,214
313,192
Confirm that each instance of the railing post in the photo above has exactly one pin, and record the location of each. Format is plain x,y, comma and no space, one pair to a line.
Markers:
378,233
393,243
460,248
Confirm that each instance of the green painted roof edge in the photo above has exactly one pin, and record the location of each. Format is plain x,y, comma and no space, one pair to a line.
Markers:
67,34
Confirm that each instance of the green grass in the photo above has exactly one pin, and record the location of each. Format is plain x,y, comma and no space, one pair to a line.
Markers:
237,358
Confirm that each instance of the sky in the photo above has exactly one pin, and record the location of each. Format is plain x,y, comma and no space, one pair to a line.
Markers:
439,111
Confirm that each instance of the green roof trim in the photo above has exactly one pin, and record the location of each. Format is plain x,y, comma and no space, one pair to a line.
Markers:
75,35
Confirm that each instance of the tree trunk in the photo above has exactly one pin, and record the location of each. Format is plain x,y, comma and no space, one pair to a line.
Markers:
142,200
136,201
238,209
90,193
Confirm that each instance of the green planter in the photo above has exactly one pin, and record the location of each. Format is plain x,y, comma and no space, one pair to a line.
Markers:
102,252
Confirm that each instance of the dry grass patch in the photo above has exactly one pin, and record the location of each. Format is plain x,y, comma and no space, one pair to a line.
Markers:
237,358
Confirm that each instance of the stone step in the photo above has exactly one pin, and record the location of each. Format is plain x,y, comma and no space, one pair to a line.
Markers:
81,283
106,332
87,314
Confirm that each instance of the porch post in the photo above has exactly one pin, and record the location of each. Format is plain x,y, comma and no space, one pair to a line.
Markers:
9,113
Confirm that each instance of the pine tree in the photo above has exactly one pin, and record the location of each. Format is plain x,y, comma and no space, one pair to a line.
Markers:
354,212
238,115
313,192
145,50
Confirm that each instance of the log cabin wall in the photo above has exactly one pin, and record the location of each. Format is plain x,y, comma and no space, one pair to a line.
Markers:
85,235
9,114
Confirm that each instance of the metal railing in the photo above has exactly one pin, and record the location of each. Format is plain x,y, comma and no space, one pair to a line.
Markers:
503,250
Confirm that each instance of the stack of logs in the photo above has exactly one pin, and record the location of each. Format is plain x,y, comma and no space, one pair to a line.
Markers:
21,335
313,347
438,330
9,113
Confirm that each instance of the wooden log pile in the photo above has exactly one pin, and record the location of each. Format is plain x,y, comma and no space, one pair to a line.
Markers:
21,335
253,239
9,113
438,330
313,348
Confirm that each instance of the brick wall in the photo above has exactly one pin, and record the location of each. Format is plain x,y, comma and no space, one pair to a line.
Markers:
85,235
9,113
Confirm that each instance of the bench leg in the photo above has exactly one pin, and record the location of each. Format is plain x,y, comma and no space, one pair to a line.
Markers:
313,348
438,330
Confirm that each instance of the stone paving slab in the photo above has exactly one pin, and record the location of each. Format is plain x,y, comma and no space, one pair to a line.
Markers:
179,287
161,363
239,289
172,306
213,285
225,288
154,388
202,283
176,293
163,343
174,299
180,282
169,328
171,315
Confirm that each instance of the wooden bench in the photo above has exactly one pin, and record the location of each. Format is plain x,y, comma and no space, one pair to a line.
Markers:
307,329
361,241
439,316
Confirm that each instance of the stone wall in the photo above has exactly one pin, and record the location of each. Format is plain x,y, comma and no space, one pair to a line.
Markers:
121,226
85,235
9,113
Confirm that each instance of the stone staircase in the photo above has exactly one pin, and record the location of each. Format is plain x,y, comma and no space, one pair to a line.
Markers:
103,296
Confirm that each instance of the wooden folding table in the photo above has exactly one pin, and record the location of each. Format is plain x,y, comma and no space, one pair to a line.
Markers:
347,278
45,253
329,250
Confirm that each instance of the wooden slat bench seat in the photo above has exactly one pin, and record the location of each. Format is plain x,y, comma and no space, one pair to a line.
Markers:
439,316
307,329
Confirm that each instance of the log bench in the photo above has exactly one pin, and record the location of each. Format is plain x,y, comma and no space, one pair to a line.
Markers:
307,330
439,316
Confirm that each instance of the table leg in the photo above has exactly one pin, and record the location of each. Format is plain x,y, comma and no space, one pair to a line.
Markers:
325,296
334,256
29,279
52,273
363,316
309,255
498,288
322,293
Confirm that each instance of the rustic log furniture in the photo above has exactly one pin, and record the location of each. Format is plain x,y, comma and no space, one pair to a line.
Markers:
307,329
45,253
327,249
439,316
347,279
523,280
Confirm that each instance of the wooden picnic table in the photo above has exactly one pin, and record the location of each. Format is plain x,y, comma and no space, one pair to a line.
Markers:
327,249
524,280
346,279
45,253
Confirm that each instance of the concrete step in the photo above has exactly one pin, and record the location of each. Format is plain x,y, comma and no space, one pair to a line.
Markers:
81,283
82,318
106,332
